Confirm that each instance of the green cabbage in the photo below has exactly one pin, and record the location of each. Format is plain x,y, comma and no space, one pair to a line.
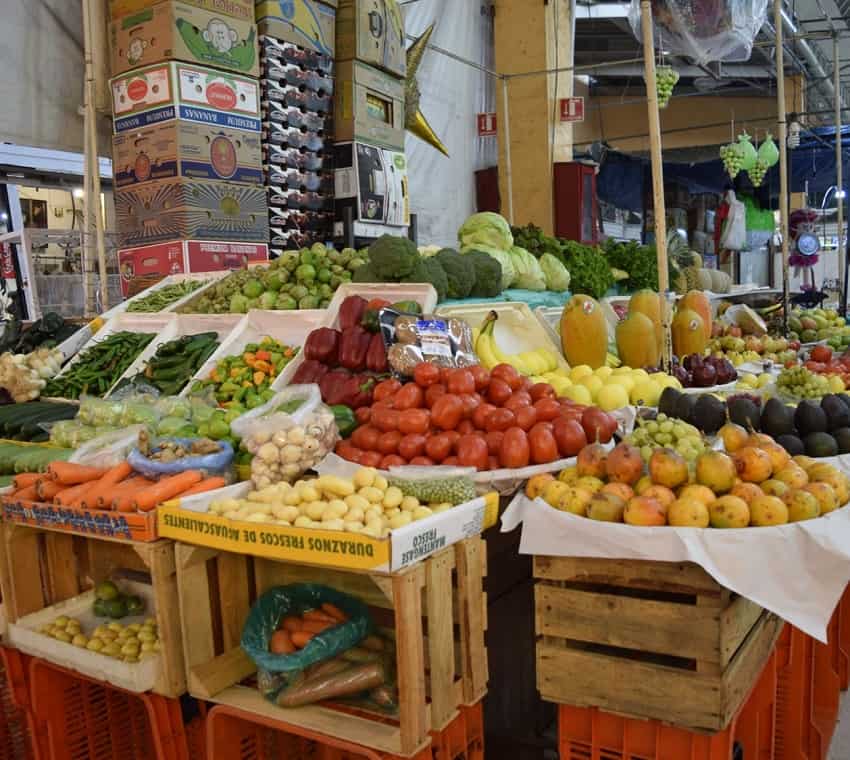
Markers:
529,275
557,276
503,257
485,228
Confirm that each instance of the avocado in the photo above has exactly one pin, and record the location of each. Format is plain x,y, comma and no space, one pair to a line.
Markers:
810,418
842,438
791,444
685,406
821,445
744,412
667,401
777,419
106,590
837,414
709,414
845,398
135,605
99,608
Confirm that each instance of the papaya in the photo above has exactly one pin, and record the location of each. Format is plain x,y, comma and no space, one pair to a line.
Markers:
584,332
697,301
636,341
688,331
648,303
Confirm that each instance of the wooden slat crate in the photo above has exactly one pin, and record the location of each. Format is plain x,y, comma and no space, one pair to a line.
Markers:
39,568
436,607
647,639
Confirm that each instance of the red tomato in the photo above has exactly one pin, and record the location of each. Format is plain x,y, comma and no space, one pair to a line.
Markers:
388,442
494,441
366,437
411,445
433,393
542,443
454,437
363,414
481,375
541,390
526,417
465,426
821,354
439,446
411,396
547,409
472,452
500,419
392,460
371,458
426,374
526,384
354,455
517,401
569,435
493,462
598,426
344,448
498,391
450,461
523,395
480,415
514,451
386,389
447,412
461,381
422,461
507,373
444,374
414,421
470,401
384,419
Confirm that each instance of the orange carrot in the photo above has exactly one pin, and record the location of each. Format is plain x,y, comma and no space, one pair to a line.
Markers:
78,500
71,474
335,612
67,495
280,643
291,624
317,626
165,489
30,493
47,489
319,616
210,484
125,493
105,485
301,638
25,479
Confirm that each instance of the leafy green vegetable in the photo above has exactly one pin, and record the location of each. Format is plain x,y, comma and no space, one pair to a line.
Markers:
460,272
536,242
486,228
557,276
589,270
529,275
503,258
488,275
429,270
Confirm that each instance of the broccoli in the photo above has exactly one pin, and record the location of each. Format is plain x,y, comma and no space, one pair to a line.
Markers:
488,275
366,273
460,272
429,270
393,257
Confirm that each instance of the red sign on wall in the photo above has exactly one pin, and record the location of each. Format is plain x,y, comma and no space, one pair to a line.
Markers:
486,124
572,109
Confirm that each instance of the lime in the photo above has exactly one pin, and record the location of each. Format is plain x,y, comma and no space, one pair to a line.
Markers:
99,608
135,606
106,590
116,608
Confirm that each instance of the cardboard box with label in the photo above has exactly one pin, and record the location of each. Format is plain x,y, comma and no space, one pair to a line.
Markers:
171,209
369,106
175,30
239,9
309,23
372,31
166,91
150,260
185,149
372,182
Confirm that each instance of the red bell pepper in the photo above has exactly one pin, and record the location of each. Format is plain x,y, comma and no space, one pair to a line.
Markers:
351,311
309,372
334,387
376,356
323,346
365,387
353,347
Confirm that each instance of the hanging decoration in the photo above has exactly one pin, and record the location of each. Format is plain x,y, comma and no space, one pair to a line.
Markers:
768,153
414,120
732,157
665,80
748,152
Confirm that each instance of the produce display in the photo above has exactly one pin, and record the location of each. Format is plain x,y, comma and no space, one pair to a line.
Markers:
161,298
537,362
31,421
99,367
822,361
131,643
24,376
176,362
294,632
698,371
683,438
752,348
801,382
810,325
17,458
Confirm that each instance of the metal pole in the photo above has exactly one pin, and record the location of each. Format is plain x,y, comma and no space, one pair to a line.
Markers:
509,180
783,157
657,177
839,171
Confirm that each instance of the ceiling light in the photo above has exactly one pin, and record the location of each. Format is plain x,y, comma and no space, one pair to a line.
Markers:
79,193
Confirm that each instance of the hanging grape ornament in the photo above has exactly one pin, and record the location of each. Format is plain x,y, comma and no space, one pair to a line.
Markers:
768,153
749,155
732,158
757,172
665,80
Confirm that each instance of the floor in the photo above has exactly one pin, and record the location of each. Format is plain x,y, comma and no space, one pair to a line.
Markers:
840,749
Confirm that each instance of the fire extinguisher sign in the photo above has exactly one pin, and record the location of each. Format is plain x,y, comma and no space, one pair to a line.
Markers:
486,124
572,109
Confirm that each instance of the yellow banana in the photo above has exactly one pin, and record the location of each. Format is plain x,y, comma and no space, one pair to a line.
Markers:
612,361
550,357
533,361
484,350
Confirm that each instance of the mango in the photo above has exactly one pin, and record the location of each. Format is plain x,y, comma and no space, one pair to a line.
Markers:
688,513
768,510
729,512
644,510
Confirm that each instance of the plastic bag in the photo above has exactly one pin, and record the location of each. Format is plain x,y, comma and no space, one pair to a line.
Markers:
734,234
70,433
98,411
287,435
435,485
220,463
719,31
108,450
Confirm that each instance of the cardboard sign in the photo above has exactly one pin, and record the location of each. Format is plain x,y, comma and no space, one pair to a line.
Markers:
369,106
203,256
372,31
308,23
571,109
486,123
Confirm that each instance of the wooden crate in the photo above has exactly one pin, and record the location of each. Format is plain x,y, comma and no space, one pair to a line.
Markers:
647,639
39,568
437,608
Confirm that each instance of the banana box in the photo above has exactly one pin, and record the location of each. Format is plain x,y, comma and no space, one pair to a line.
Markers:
372,31
369,106
240,9
308,23
176,30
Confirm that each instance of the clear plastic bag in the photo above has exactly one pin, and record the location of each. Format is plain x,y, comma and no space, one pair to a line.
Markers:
435,485
719,31
70,433
219,463
108,450
99,411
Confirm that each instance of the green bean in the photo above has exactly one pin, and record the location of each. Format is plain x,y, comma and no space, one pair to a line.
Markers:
162,298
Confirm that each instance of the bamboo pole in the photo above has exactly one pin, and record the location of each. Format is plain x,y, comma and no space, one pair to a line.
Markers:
509,178
783,157
657,178
839,172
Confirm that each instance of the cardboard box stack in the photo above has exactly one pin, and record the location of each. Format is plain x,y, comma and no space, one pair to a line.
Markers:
297,86
187,155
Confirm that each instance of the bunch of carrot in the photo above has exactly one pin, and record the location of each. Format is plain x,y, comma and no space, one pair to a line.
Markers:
295,631
117,488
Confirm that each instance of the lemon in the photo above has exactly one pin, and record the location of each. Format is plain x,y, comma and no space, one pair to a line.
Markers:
603,372
560,384
592,383
667,381
577,373
580,394
646,393
623,380
639,374
611,397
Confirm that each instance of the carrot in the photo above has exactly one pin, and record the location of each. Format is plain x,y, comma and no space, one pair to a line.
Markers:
319,616
291,624
30,493
165,489
280,643
126,488
25,479
352,680
210,484
72,474
85,489
317,626
335,612
47,489
105,485
67,495
301,638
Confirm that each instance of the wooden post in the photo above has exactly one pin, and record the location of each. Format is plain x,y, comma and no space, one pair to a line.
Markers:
783,157
660,210
839,172
509,178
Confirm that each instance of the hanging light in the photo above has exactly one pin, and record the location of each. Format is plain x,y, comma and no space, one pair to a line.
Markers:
793,139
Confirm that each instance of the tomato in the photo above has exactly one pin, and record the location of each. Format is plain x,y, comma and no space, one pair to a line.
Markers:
454,437
388,442
384,419
450,461
547,409
366,437
494,441
500,419
444,374
344,448
526,417
480,415
392,460
363,414
465,427
541,390
426,374
514,451
461,381
569,435
526,384
508,374
598,426
498,391
422,461
472,452
470,401
354,455
542,443
439,446
411,445
433,393
371,458
386,389
517,401
815,367
821,354
411,396
492,462
481,375
414,421
447,412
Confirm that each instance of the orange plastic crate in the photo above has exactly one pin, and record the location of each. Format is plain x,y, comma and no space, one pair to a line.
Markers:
588,733
15,736
474,722
81,719
843,614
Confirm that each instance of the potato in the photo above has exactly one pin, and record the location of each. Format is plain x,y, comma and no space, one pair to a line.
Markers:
373,513
400,520
364,477
444,507
258,517
292,497
335,524
231,515
336,510
255,507
389,513
353,526
420,513
285,513
373,529
373,495
284,523
309,493
356,500
337,486
380,482
302,522
354,514
392,497
316,509
409,504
